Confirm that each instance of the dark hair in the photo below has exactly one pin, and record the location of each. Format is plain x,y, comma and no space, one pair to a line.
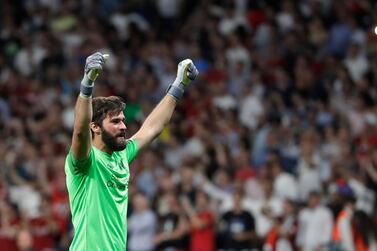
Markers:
106,106
314,193
349,199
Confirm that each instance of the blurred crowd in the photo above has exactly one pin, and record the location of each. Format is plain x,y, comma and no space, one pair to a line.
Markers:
273,148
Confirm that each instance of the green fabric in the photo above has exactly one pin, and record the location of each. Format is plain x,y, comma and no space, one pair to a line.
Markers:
98,196
131,112
64,23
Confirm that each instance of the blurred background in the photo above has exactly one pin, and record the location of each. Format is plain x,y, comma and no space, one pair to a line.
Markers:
273,148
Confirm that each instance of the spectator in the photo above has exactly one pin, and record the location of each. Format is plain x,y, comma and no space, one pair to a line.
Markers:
312,170
186,185
25,240
368,166
281,237
173,227
141,224
9,226
237,227
202,223
266,209
285,185
356,63
43,228
314,219
342,232
290,77
146,181
251,108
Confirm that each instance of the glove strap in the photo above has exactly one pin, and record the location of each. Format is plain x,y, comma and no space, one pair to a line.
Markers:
86,88
175,92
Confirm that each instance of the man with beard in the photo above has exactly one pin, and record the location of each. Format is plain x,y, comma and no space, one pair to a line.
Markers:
97,165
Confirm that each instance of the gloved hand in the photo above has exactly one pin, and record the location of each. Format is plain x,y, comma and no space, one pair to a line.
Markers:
185,74
93,67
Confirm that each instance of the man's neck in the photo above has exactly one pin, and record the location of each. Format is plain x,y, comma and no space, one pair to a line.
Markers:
98,143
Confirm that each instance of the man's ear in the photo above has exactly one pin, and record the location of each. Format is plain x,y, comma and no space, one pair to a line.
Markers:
96,129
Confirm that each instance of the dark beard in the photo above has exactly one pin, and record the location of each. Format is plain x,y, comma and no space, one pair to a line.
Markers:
111,142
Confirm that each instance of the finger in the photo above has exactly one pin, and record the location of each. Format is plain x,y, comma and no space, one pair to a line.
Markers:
185,62
94,66
98,59
103,57
98,56
192,72
91,66
95,61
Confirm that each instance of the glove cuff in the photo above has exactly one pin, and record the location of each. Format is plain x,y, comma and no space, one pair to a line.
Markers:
86,88
175,91
87,81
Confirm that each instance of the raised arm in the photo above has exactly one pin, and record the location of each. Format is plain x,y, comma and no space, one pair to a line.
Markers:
81,138
192,215
161,114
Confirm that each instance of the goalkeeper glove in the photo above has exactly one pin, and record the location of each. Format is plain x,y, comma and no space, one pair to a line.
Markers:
185,74
93,67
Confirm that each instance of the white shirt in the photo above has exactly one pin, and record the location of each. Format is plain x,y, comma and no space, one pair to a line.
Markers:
26,60
27,199
365,197
285,186
314,228
357,67
142,228
225,102
251,111
310,178
264,223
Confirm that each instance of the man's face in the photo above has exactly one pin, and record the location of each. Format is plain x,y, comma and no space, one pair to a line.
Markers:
314,200
237,200
114,132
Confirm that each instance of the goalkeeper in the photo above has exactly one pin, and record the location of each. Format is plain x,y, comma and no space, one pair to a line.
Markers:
97,165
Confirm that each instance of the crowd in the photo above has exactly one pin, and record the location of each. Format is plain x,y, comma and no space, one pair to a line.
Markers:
273,148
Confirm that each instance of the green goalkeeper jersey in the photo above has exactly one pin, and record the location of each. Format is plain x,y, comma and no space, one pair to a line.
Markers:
98,196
